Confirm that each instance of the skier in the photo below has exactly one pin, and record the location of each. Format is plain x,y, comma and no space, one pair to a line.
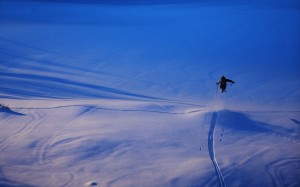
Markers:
223,83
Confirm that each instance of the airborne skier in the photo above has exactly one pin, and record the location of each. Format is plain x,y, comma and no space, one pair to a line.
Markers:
223,83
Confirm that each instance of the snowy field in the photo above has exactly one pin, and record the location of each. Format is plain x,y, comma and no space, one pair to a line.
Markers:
123,93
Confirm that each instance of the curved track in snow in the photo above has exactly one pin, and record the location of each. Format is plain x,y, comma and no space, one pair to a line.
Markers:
278,169
211,149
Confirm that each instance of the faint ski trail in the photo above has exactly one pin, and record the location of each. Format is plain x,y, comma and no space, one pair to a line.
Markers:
278,168
34,119
211,149
123,110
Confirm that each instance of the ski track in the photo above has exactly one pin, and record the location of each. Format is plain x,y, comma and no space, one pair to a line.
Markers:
211,149
59,138
46,146
55,139
36,119
276,169
122,110
37,116
233,168
42,146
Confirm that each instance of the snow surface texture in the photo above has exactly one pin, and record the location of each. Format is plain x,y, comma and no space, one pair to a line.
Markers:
123,93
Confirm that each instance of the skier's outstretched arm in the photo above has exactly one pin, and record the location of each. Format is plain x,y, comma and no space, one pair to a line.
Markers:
228,80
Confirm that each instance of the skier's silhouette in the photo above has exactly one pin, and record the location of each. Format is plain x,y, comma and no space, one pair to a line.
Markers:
223,83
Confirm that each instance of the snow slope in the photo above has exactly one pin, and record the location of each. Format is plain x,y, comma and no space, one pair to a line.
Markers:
123,93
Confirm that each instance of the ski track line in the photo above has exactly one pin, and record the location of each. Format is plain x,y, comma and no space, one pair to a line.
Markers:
70,181
36,119
242,164
124,110
54,140
276,168
211,149
46,146
233,168
4,122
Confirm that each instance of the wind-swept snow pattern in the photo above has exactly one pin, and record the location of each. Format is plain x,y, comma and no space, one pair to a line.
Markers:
123,93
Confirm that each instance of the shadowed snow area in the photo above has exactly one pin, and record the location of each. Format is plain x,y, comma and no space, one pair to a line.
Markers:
123,93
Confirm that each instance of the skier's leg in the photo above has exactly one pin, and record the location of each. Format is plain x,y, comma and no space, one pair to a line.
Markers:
222,88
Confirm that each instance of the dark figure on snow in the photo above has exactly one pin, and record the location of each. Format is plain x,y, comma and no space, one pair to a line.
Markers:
223,83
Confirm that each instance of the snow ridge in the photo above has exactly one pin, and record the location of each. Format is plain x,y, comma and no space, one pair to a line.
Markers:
211,149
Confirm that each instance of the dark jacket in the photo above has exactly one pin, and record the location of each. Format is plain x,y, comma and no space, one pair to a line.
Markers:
223,83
